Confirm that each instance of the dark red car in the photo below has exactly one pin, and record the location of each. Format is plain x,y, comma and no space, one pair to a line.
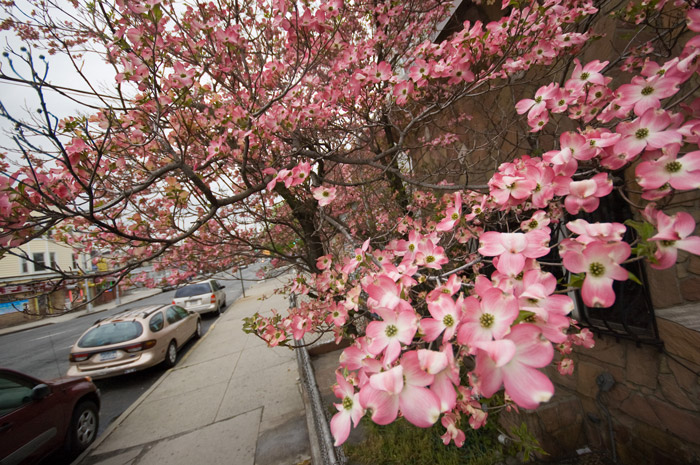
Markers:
39,418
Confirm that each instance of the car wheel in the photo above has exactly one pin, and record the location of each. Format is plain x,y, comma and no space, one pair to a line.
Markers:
171,355
198,331
84,425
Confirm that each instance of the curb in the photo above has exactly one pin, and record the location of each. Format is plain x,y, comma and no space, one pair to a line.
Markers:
321,441
25,327
74,316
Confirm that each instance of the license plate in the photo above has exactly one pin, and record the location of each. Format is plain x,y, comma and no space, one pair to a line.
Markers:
111,355
192,303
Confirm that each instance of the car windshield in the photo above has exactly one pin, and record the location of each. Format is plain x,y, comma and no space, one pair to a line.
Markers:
111,333
193,289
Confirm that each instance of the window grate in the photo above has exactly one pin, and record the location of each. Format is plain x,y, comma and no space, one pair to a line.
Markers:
632,316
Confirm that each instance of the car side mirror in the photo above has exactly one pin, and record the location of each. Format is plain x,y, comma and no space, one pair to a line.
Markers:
40,391
222,286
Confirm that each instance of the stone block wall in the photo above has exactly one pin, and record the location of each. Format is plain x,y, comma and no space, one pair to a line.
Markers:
678,285
654,404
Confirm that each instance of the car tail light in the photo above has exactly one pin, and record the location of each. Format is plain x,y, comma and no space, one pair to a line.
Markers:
78,357
140,346
173,301
213,298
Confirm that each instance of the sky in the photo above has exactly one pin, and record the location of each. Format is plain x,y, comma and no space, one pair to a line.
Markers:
22,101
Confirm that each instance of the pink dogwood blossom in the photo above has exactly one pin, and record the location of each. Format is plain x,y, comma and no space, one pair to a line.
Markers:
452,433
645,94
394,329
487,319
584,195
513,248
651,130
601,263
446,316
452,215
681,173
512,362
324,195
674,232
402,387
349,410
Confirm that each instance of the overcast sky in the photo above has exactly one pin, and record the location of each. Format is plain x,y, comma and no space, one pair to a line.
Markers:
22,101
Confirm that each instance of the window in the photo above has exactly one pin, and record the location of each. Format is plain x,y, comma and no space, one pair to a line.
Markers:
24,264
111,333
632,315
193,290
52,259
14,392
172,315
156,322
39,262
181,311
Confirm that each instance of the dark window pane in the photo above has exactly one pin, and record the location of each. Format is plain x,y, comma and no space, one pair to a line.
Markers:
39,261
193,289
180,311
156,322
111,333
14,392
171,315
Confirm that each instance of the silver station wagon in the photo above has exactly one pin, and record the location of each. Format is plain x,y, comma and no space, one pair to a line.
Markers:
202,297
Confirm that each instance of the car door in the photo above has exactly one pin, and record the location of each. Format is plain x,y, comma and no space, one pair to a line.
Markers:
176,329
29,427
188,322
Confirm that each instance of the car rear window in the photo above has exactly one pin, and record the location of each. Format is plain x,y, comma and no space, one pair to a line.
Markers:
111,333
193,289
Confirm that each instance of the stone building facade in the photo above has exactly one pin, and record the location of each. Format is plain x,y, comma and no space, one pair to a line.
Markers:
636,395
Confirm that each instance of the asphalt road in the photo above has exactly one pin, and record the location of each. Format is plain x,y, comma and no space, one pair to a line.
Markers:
43,352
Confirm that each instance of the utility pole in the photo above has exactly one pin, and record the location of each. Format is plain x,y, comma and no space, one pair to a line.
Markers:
240,276
87,296
119,297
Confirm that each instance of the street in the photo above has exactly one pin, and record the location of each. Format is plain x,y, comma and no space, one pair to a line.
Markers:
43,352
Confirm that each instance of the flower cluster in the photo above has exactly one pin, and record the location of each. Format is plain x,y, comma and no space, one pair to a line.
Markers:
426,314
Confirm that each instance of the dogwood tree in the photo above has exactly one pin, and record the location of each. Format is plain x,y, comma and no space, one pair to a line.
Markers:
424,180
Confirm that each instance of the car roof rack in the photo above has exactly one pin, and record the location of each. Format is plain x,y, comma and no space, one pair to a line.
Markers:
142,312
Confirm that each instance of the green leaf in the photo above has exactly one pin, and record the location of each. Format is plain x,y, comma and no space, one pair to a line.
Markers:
523,316
157,13
576,280
634,278
644,229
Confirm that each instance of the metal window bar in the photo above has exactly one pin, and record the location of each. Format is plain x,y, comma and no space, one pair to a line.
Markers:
632,316
330,455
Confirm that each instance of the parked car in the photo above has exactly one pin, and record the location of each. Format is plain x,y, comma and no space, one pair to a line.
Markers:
40,418
133,340
202,297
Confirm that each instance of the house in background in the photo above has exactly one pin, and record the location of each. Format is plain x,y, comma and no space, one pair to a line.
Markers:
31,289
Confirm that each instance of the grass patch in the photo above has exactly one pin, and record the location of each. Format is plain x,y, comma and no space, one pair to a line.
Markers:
401,443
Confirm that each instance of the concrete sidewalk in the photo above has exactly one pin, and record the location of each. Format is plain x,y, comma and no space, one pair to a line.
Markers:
230,400
49,320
